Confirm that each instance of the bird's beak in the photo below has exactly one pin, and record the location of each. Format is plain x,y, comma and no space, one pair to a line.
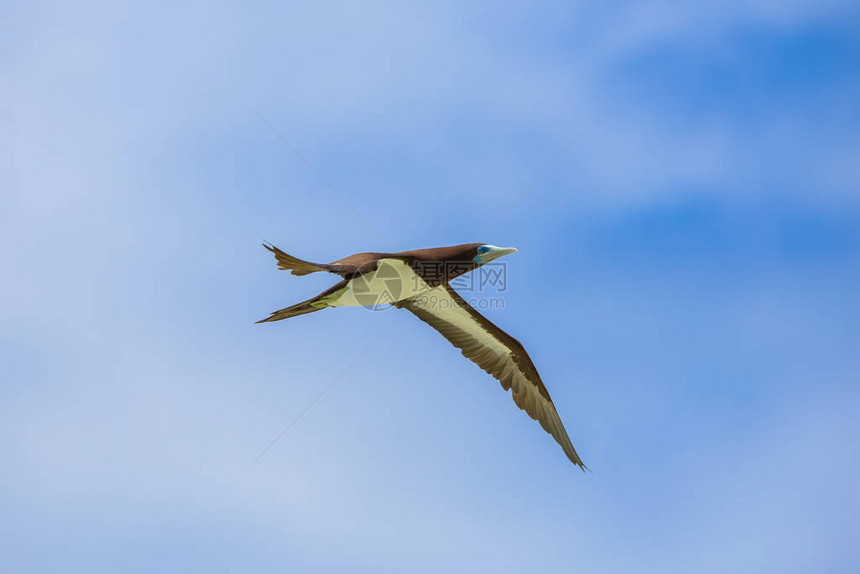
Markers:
496,252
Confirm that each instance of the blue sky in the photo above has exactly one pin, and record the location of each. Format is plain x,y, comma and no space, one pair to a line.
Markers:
686,282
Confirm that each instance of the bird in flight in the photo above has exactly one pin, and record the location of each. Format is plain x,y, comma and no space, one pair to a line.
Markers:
418,281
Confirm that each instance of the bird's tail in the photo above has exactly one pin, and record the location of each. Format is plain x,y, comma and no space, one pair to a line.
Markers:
293,264
319,302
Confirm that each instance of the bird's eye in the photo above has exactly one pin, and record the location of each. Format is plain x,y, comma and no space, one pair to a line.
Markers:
483,249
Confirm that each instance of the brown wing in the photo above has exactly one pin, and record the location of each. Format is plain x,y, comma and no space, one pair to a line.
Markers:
317,303
496,352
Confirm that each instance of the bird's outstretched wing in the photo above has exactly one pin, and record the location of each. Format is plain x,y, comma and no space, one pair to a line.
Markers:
499,354
317,303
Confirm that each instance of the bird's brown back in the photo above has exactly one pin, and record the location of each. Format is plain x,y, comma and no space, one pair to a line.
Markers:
436,266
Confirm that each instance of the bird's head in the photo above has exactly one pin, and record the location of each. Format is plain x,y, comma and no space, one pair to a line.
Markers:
487,253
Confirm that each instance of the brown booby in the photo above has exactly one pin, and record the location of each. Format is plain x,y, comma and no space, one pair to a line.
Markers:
418,281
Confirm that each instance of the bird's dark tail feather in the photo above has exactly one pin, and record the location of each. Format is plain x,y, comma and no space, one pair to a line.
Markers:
296,266
319,302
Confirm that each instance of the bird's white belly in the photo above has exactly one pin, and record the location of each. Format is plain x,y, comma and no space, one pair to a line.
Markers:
392,281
